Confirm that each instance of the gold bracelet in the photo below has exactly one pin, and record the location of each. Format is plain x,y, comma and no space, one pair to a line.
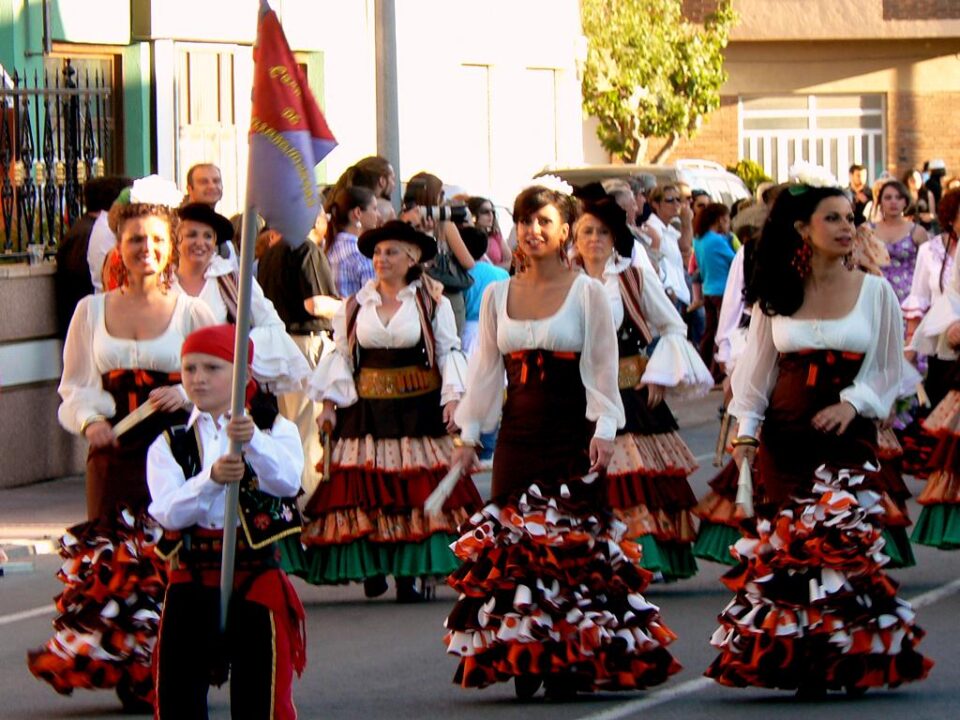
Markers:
747,440
90,421
459,442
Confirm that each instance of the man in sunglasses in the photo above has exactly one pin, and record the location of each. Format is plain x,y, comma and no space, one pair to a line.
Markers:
676,245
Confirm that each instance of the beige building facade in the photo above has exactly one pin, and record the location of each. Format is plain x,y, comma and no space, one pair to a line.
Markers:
835,82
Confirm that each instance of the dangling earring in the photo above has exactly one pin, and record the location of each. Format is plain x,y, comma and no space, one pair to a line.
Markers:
519,260
801,260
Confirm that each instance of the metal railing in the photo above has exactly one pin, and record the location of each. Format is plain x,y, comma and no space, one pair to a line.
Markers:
51,140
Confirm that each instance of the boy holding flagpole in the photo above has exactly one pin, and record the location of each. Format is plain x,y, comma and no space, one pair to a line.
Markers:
188,470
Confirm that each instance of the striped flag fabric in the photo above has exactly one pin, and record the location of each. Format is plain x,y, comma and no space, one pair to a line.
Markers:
288,136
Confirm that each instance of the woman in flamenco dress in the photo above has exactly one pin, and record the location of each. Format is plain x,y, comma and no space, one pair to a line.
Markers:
938,335
646,479
389,393
122,352
813,610
550,586
719,518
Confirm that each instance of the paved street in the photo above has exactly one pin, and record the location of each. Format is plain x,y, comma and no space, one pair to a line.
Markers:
374,659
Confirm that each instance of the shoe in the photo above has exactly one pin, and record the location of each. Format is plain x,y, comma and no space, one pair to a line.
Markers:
854,691
526,686
559,689
811,693
407,591
133,704
374,586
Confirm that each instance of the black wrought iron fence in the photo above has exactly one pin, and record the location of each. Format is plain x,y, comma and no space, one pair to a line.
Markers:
54,135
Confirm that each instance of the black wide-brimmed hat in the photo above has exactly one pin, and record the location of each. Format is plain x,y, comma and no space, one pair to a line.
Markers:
614,217
402,232
203,213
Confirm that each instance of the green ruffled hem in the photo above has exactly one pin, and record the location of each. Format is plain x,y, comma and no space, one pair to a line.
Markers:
674,561
293,559
938,526
714,541
360,559
898,548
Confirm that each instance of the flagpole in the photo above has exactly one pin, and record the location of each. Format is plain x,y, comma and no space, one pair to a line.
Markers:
238,402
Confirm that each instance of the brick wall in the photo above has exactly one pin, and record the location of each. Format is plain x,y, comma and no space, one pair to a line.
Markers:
716,140
697,10
921,127
916,9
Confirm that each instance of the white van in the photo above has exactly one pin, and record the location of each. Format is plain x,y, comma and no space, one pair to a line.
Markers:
713,177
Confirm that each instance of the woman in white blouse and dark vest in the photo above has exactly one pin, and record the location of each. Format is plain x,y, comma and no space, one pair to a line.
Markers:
546,560
932,279
122,352
813,609
938,337
647,477
389,393
278,365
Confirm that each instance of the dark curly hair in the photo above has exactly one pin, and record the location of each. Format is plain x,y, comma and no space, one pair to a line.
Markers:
120,213
773,281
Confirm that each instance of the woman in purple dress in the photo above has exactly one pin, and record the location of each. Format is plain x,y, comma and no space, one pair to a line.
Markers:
901,236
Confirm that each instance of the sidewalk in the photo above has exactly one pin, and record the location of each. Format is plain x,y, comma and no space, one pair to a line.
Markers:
33,517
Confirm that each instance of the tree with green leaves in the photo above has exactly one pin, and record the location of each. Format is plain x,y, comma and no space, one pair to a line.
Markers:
650,73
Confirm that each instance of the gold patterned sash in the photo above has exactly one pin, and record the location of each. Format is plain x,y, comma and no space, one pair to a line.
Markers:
396,383
631,370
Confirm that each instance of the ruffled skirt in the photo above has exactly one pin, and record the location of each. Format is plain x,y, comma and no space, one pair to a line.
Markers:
813,607
109,610
368,519
648,490
939,521
719,526
550,587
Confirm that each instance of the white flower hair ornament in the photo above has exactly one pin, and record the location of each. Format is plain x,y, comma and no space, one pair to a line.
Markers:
152,190
552,182
808,175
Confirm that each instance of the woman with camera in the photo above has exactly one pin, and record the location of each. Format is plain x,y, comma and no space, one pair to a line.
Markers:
546,560
389,392
813,610
422,203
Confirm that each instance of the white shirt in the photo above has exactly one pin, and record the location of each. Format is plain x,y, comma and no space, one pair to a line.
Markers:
277,361
90,351
674,362
931,267
102,241
674,277
178,502
873,327
333,377
582,324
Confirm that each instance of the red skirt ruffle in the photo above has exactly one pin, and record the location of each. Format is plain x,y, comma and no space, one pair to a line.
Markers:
550,587
109,610
647,486
813,607
377,490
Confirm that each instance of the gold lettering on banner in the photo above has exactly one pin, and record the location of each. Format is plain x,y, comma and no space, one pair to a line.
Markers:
290,115
296,157
281,72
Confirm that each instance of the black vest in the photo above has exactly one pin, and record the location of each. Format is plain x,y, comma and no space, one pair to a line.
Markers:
264,518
